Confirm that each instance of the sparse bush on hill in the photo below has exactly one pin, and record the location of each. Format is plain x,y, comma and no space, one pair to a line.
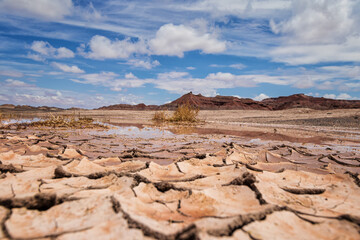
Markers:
183,113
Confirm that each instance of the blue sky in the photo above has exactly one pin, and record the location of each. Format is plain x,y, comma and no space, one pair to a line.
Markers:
82,53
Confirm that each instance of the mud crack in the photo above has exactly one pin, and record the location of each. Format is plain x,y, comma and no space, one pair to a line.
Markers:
188,233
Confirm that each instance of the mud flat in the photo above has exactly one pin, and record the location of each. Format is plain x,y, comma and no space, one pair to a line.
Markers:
204,182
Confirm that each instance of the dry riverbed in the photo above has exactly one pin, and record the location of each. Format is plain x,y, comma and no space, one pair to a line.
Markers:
232,177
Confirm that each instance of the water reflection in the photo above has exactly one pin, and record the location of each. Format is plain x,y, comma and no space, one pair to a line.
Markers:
136,132
19,121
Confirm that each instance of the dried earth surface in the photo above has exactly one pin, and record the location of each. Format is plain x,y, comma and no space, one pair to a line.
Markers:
233,180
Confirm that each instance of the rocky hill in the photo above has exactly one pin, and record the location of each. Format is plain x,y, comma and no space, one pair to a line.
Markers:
234,103
304,101
23,108
215,103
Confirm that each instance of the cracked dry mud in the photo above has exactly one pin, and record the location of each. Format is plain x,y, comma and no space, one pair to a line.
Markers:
63,185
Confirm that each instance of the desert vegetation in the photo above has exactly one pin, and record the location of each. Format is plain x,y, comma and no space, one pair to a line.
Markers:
59,122
184,113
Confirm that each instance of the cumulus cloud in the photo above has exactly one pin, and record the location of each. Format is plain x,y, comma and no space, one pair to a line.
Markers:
321,21
319,31
174,40
111,80
44,50
101,48
67,68
147,64
261,97
42,9
341,96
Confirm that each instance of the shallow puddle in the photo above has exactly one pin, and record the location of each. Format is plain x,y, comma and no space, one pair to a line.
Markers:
19,121
135,132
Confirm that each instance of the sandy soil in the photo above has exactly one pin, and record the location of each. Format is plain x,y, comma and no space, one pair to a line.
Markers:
237,175
296,125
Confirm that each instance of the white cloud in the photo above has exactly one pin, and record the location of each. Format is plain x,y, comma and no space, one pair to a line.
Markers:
341,96
348,51
258,8
3,98
17,92
332,96
321,21
304,83
261,97
190,68
182,82
352,72
45,50
143,64
319,31
10,73
42,9
112,80
16,83
67,68
324,78
238,66
172,75
174,40
103,48
103,78
36,57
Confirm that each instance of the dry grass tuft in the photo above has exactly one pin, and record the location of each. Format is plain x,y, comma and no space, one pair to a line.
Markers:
160,116
184,113
62,122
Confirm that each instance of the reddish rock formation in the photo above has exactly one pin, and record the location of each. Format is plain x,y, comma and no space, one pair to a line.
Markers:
220,103
304,101
234,103
11,107
215,103
140,106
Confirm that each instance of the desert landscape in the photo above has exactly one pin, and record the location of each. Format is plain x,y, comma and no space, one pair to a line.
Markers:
180,120
233,174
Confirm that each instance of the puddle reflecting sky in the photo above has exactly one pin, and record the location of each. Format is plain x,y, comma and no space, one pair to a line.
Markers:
135,132
25,120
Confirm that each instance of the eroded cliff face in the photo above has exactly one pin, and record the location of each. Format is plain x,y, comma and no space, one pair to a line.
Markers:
71,185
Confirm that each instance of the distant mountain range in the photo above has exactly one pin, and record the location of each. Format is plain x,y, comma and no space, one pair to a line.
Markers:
219,103
20,108
234,103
